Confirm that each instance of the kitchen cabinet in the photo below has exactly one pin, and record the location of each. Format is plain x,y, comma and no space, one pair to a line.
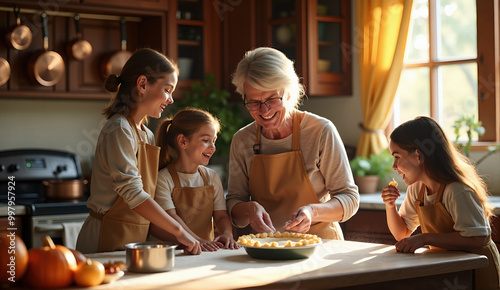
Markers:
316,35
99,25
136,4
194,40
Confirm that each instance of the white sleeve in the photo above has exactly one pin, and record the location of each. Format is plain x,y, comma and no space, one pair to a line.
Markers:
164,186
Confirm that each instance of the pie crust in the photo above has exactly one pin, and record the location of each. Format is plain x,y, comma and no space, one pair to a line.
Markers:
278,240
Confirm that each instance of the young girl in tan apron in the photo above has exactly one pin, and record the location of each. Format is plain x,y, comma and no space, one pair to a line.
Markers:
125,165
187,190
445,196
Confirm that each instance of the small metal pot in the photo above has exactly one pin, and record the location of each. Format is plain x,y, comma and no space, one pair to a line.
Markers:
70,189
150,257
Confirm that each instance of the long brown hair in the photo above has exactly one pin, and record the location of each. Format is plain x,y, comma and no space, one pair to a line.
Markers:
186,122
145,61
442,160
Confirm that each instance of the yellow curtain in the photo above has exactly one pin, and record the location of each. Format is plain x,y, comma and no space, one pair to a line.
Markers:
382,27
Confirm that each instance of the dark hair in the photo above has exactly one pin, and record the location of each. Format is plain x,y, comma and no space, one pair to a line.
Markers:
145,61
441,159
186,122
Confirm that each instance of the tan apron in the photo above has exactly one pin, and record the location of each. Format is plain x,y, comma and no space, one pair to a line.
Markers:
194,205
279,182
122,225
434,218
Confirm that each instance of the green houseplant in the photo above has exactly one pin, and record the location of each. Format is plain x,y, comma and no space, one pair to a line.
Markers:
469,125
208,96
368,171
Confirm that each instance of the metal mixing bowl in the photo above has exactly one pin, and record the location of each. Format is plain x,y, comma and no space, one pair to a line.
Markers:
150,257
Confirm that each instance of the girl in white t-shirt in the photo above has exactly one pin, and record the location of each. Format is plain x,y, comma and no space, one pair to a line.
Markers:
445,197
186,189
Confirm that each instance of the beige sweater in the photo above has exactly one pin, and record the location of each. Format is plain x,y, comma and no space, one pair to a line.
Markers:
324,156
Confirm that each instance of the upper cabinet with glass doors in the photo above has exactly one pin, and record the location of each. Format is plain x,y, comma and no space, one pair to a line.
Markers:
194,40
316,35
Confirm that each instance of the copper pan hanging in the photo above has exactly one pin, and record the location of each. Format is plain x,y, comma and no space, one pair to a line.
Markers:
4,71
47,66
20,36
116,62
80,49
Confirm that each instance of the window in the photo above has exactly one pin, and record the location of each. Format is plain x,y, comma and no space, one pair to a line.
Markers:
449,69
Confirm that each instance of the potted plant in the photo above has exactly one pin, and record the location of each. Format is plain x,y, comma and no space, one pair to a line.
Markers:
368,171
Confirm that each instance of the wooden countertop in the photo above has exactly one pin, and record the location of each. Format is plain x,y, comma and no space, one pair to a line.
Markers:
334,264
373,201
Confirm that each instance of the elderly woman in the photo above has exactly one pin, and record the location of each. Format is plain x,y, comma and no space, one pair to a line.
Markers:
288,170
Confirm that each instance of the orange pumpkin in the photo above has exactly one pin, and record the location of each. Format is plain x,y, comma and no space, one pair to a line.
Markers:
50,266
13,258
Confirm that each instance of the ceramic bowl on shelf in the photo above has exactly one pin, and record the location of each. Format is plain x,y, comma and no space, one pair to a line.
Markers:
323,65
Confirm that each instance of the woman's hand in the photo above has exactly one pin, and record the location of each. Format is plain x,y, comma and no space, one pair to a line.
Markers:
227,241
260,220
389,195
301,220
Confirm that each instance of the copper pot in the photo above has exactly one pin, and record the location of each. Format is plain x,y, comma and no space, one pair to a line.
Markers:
20,37
80,49
69,189
47,67
116,62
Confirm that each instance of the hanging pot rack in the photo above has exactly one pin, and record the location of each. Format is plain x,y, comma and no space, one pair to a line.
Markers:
72,14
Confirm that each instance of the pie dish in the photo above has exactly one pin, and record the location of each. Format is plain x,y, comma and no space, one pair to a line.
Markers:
279,246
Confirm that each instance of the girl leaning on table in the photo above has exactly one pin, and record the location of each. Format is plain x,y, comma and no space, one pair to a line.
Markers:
445,196
187,190
125,165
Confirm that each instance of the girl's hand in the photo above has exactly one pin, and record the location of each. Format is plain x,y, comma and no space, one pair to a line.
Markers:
301,220
191,245
410,244
227,241
209,246
389,195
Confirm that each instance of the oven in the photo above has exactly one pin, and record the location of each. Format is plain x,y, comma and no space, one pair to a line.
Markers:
29,168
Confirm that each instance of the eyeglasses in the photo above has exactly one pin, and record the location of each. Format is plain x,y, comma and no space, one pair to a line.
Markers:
270,103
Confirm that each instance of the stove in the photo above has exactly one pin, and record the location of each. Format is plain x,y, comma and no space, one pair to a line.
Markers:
28,168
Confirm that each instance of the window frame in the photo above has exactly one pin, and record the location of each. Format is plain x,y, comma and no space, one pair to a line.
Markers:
488,69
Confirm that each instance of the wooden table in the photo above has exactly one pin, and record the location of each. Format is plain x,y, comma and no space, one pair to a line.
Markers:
335,264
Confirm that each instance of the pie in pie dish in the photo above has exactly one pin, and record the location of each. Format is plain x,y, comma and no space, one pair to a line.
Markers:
278,240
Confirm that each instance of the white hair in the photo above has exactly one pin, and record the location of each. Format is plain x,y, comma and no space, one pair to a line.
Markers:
268,69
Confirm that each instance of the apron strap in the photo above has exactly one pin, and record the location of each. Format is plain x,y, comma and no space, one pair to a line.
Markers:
135,129
420,198
256,146
96,215
175,176
205,181
295,134
439,195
